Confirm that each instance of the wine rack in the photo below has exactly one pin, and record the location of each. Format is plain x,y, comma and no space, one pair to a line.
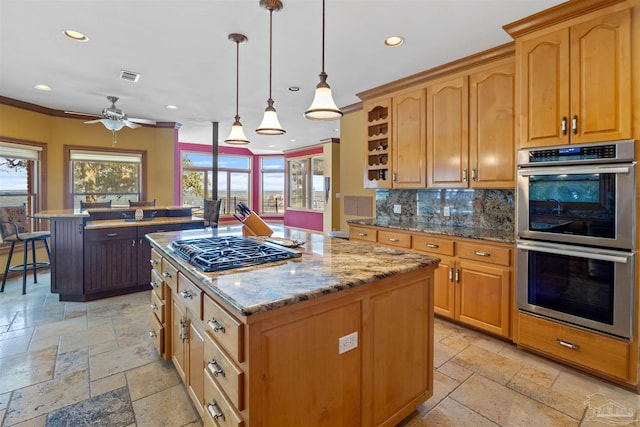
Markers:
378,155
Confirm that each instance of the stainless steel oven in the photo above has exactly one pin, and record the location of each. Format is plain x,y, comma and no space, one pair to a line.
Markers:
575,221
588,287
581,194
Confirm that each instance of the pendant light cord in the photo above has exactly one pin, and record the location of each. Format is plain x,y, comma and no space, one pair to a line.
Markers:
270,48
322,36
237,78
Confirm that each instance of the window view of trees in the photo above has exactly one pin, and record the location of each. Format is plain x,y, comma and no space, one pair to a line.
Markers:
103,176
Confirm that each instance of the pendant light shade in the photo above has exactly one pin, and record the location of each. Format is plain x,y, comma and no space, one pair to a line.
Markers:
237,135
323,107
270,124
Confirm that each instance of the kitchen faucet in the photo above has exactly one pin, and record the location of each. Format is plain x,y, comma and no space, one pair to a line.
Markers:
558,209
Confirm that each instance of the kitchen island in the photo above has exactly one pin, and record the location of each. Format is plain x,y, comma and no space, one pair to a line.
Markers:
341,335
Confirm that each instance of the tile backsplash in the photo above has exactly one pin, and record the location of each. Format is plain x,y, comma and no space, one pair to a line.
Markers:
464,208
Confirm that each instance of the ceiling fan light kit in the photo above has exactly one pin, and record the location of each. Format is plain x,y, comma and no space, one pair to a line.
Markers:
237,136
270,124
323,107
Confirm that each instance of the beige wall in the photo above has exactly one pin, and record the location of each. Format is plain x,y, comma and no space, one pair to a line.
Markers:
352,162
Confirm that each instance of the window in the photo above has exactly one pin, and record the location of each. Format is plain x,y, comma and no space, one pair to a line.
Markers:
306,183
100,176
234,173
272,185
20,175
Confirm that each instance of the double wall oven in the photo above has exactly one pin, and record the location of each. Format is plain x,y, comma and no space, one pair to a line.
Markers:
575,219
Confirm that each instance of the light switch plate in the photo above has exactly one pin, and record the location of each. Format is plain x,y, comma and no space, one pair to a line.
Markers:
397,209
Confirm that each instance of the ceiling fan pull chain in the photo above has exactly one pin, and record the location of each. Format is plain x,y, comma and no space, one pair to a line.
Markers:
113,133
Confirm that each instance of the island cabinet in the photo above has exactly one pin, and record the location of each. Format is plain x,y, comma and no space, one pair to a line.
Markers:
286,366
473,281
574,75
471,128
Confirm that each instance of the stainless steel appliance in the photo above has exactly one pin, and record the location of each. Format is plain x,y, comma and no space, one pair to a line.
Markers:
229,252
575,258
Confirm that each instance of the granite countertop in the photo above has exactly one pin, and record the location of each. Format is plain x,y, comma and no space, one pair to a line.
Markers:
326,265
494,235
69,213
108,223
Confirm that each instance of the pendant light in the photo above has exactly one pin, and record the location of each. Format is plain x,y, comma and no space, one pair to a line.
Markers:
237,134
323,107
270,124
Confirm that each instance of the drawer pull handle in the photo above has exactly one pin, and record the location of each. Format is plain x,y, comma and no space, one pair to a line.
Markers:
393,239
214,410
184,330
166,274
154,261
112,234
216,325
563,126
153,334
215,368
154,284
186,294
568,344
432,245
362,234
457,275
154,306
451,274
480,253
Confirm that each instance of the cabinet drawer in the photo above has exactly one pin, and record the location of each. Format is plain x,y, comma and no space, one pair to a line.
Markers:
394,239
157,307
156,332
102,234
157,285
360,233
484,253
432,244
229,376
156,261
170,275
588,349
190,295
224,328
217,407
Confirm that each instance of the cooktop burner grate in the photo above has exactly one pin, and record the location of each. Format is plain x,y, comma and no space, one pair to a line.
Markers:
228,252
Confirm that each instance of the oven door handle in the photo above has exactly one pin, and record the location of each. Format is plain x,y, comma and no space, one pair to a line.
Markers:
574,170
569,252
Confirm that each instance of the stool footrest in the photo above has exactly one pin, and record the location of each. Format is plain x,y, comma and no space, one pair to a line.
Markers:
30,266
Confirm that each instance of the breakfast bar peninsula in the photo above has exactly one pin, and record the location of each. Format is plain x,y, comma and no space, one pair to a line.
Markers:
97,253
338,334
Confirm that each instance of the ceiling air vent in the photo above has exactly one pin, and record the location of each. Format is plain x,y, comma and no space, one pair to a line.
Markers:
129,75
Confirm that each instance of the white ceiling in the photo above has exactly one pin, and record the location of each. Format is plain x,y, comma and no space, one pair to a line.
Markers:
182,51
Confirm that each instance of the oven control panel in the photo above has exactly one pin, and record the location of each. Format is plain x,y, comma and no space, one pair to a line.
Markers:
610,152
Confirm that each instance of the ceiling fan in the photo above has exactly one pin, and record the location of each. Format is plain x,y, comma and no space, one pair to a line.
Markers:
114,119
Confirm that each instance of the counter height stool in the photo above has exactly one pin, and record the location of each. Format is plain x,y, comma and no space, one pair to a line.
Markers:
14,227
212,212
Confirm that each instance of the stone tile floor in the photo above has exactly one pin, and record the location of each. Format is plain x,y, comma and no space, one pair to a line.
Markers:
92,364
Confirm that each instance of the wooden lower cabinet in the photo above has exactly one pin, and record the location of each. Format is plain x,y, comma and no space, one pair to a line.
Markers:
283,366
444,288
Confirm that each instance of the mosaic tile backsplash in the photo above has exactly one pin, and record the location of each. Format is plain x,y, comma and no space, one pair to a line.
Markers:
488,209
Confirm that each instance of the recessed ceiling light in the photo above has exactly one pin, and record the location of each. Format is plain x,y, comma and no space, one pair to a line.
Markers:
42,87
393,41
171,107
272,146
76,35
294,88
293,140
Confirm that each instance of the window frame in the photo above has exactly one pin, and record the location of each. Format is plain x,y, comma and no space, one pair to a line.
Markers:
261,183
68,170
309,193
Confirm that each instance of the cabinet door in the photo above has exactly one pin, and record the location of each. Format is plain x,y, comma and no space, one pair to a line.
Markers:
492,127
179,329
195,383
448,133
444,288
601,78
482,297
110,259
408,140
67,251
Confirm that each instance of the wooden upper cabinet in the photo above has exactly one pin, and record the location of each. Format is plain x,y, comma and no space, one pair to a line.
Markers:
377,170
492,126
448,133
408,151
575,82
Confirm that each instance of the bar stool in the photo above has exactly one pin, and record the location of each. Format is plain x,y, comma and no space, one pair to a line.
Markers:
14,228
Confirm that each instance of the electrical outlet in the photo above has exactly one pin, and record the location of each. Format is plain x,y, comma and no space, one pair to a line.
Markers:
347,342
447,211
397,208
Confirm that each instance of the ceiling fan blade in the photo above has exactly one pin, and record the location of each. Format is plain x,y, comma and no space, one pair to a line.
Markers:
76,113
130,124
93,121
143,121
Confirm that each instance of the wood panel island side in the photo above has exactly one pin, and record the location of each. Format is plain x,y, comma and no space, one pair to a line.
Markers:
260,346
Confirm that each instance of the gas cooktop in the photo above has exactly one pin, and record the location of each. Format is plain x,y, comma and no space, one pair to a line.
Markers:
228,252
